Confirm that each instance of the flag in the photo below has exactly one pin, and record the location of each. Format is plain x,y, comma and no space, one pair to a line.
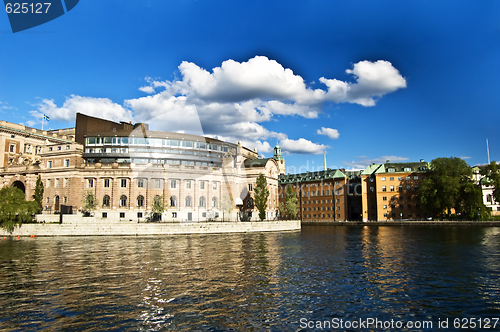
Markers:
45,117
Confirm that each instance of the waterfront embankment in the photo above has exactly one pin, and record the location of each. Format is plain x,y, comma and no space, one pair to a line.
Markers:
404,223
96,227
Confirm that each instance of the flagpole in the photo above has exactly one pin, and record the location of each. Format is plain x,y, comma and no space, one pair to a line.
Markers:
488,149
43,118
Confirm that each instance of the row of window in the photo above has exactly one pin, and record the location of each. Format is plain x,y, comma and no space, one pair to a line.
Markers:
140,201
400,178
157,183
50,163
320,209
401,206
392,188
321,184
322,216
400,198
155,142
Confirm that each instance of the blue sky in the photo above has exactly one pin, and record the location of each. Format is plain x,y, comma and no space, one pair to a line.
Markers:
365,81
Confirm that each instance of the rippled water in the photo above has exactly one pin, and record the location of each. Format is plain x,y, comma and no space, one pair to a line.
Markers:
249,282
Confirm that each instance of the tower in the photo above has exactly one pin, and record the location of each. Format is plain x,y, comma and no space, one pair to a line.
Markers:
279,158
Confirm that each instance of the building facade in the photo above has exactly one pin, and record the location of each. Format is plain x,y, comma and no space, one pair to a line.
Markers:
127,166
389,191
329,195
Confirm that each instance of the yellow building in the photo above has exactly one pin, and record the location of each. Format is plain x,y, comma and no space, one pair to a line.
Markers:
389,191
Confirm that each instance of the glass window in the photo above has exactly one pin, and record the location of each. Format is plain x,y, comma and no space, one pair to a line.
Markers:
173,201
189,201
123,183
90,140
214,202
202,201
188,184
140,183
173,184
174,143
214,186
202,184
106,201
123,200
140,201
108,140
189,144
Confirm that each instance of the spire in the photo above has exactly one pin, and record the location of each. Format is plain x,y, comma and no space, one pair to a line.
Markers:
324,159
277,152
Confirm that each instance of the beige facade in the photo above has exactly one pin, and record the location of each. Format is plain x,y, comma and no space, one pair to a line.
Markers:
125,166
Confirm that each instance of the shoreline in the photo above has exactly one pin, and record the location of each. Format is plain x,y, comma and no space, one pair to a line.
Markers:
139,229
403,223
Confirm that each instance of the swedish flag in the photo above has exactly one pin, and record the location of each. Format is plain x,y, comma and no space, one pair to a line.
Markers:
45,117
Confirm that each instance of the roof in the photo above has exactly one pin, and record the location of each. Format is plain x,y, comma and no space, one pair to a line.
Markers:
420,166
250,163
314,176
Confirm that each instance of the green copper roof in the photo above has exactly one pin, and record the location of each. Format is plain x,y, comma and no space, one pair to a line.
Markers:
314,176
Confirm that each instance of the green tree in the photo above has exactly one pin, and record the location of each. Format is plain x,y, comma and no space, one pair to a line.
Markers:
291,202
226,205
261,196
444,188
38,196
14,209
282,210
491,176
158,207
89,203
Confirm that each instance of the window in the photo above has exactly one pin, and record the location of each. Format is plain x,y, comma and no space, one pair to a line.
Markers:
214,186
66,162
400,188
338,208
90,183
105,201
202,184
415,177
384,188
173,201
123,183
104,214
174,214
214,202
140,201
385,206
106,183
202,201
12,148
188,184
338,200
372,189
158,184
48,183
407,169
384,198
383,179
250,187
65,199
400,178
392,188
123,201
122,214
488,198
49,164
65,183
173,184
139,214
140,183
189,201
391,170
391,178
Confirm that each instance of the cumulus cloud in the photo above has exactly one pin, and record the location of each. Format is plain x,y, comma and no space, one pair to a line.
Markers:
302,146
235,101
332,133
363,161
98,107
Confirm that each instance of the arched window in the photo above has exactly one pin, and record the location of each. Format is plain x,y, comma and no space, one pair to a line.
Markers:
189,201
214,202
123,200
140,201
173,201
106,201
202,201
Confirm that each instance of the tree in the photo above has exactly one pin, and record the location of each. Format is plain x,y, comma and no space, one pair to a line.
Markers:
89,203
158,207
14,209
226,204
38,196
282,210
491,176
445,187
291,202
261,196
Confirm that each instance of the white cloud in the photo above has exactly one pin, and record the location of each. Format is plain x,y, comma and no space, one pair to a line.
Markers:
363,161
235,100
302,146
98,107
332,133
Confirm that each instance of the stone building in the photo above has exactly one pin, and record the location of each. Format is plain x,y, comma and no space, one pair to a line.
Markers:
127,166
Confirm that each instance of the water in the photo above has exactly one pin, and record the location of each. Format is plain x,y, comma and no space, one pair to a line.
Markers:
251,282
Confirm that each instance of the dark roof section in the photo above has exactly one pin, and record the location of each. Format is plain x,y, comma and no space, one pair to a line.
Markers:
419,166
251,163
318,176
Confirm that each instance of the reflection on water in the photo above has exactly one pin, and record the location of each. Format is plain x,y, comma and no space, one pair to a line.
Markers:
249,282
